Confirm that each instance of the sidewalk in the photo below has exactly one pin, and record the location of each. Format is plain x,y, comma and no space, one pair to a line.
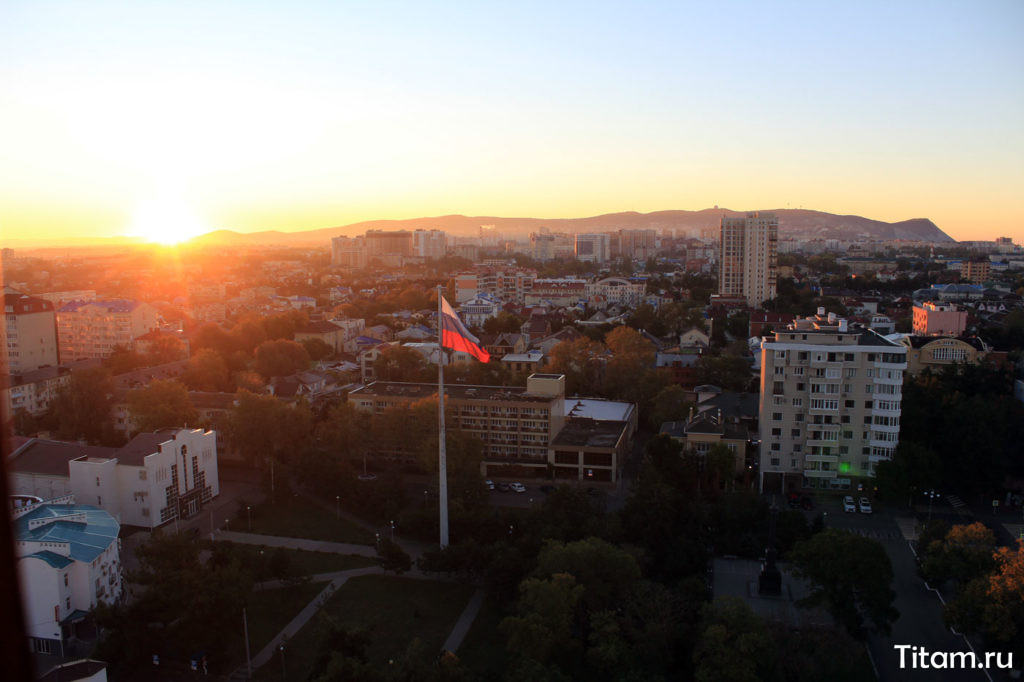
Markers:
464,622
297,543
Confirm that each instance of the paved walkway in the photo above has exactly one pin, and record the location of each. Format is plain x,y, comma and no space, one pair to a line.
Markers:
297,543
464,622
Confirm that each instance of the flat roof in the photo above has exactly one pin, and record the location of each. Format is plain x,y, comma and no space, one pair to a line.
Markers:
590,433
600,410
402,389
51,457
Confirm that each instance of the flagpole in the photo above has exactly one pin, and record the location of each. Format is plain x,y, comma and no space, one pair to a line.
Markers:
442,463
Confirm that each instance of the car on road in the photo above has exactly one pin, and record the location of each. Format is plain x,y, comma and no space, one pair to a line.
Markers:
489,483
518,487
848,505
865,505
503,487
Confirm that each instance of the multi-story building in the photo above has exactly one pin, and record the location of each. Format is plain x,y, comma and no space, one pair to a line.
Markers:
478,310
560,293
507,284
388,242
939,319
975,271
937,352
542,246
91,330
830,403
748,257
153,479
31,333
616,291
638,244
348,252
593,248
33,392
430,244
68,563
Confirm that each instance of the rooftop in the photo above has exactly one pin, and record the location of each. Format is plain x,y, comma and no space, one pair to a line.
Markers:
456,391
51,457
87,539
590,433
597,409
113,306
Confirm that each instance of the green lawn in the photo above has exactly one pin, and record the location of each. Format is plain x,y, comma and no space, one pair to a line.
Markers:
393,610
268,611
298,518
483,650
303,562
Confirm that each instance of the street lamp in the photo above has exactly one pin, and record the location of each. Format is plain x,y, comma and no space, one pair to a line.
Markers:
424,498
931,495
284,670
392,531
248,513
337,506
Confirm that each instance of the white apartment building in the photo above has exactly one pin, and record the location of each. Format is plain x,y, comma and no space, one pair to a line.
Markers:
593,248
91,330
616,291
31,327
830,403
749,258
478,310
68,563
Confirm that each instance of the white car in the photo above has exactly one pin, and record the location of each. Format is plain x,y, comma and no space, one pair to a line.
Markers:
865,505
518,487
848,504
489,483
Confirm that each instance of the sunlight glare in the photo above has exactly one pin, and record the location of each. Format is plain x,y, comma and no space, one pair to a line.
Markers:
166,220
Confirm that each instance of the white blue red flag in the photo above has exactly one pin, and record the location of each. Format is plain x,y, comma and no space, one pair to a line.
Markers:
454,334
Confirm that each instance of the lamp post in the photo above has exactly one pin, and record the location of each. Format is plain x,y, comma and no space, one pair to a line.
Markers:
284,670
337,506
424,498
248,513
931,495
392,531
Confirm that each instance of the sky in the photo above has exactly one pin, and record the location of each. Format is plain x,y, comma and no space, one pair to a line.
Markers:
169,119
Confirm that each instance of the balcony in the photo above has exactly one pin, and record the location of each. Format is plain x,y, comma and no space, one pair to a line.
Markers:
815,473
833,459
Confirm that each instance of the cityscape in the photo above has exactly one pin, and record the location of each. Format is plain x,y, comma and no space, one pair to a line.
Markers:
301,383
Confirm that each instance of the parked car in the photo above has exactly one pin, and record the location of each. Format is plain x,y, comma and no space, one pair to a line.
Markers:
865,505
503,487
848,505
489,483
518,487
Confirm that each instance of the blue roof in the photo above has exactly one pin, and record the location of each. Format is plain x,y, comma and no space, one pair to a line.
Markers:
55,560
88,540
113,306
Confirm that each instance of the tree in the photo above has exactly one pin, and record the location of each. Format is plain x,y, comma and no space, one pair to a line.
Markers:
582,363
725,371
207,371
851,577
399,363
83,407
504,323
280,358
267,430
163,403
962,555
670,404
165,348
734,644
546,611
317,349
391,556
215,338
602,569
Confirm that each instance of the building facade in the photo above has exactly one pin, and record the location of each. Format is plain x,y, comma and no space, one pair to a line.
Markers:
91,330
68,562
593,248
749,257
939,319
429,244
31,327
616,291
831,398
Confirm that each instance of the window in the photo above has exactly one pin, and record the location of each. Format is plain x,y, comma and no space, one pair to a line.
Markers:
867,404
99,501
847,434
775,461
65,580
850,372
795,433
776,416
776,447
780,370
67,603
798,402
848,357
777,431
142,474
799,418
97,481
849,403
803,354
798,371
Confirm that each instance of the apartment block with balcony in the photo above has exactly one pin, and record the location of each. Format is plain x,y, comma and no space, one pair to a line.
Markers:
830,404
749,258
31,331
91,330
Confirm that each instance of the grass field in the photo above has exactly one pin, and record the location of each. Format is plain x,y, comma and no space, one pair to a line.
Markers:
303,562
483,650
299,518
392,610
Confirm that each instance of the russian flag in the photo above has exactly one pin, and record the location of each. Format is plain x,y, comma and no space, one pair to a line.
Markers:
454,334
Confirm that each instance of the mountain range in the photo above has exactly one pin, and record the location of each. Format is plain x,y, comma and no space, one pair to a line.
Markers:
793,223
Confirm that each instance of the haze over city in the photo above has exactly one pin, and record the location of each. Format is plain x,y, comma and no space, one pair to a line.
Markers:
167,121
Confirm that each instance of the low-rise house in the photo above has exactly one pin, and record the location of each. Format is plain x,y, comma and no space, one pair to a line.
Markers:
523,363
32,392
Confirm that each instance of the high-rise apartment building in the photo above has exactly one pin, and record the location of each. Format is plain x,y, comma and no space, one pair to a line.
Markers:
88,330
830,403
430,244
749,257
31,327
593,248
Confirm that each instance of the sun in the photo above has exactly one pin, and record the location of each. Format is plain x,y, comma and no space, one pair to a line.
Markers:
166,220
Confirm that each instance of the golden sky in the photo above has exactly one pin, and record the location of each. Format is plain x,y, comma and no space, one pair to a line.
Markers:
166,120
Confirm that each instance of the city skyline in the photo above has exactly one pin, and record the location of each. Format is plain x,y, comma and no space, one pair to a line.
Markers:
164,122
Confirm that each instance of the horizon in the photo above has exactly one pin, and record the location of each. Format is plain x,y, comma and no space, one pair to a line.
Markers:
169,122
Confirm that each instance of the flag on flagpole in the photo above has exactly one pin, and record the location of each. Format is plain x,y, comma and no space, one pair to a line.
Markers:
454,334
